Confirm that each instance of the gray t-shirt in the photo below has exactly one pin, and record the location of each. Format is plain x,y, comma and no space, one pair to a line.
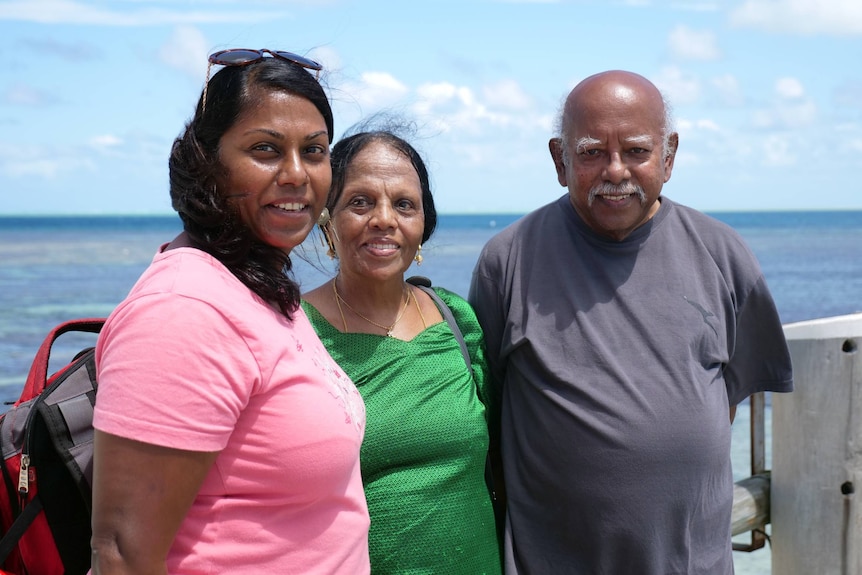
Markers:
617,362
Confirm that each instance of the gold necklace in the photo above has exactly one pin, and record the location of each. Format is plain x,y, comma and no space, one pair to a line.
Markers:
419,309
340,300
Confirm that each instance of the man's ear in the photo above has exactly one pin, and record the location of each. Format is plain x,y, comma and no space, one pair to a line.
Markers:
670,156
555,145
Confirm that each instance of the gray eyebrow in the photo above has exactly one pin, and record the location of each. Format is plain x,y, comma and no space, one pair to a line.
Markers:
582,143
645,139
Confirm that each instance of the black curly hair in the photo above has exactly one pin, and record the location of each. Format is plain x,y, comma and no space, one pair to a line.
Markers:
209,219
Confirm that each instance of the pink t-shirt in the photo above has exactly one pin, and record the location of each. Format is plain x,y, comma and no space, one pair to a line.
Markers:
193,360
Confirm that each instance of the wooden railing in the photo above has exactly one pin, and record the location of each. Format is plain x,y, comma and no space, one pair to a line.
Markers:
751,495
750,504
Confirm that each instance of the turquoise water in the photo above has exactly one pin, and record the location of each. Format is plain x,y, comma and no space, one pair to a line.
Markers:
57,268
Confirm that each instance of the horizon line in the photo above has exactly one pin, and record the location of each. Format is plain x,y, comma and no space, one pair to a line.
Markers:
174,214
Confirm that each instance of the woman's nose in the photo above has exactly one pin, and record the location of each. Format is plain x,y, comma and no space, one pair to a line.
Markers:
383,216
292,171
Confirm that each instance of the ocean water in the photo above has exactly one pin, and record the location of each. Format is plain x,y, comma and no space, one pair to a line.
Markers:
57,268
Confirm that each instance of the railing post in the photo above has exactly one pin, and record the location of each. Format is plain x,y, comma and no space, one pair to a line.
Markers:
816,514
757,407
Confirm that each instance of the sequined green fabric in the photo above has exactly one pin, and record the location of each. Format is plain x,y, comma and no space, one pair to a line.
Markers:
426,440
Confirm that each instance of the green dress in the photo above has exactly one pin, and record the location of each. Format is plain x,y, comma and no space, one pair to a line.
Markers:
426,442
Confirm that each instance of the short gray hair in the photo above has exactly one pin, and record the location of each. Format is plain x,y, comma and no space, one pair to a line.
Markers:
668,128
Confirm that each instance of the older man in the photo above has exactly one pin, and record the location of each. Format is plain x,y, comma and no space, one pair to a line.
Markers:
623,329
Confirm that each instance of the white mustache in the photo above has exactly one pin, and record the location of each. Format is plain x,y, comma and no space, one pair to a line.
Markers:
624,189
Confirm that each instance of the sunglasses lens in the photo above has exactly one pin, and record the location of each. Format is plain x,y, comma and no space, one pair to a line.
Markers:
241,56
235,57
301,60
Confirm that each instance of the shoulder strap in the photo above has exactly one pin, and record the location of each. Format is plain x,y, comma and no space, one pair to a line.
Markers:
424,284
19,527
37,379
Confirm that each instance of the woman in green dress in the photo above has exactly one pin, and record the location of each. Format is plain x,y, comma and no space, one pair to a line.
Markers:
426,441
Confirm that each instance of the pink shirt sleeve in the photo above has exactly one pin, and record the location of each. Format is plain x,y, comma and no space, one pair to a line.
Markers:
202,374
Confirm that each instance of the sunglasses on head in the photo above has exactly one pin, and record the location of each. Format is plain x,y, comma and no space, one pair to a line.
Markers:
244,57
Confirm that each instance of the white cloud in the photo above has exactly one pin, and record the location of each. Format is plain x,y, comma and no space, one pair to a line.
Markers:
327,56
799,115
849,94
686,160
375,90
384,81
451,108
790,110
186,50
717,143
727,90
99,155
687,44
689,6
506,94
74,12
707,125
776,152
678,86
28,161
476,154
448,106
47,169
789,88
807,17
105,141
783,115
691,130
26,95
438,91
847,127
68,51
545,123
762,118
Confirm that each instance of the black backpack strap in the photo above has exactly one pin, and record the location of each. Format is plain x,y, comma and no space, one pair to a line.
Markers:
67,410
19,527
424,284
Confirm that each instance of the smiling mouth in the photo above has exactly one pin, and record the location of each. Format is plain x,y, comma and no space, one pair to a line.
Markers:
291,207
382,246
616,194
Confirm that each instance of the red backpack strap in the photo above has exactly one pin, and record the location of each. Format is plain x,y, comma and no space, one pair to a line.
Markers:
38,376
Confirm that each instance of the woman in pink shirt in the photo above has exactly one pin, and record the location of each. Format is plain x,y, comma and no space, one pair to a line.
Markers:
227,439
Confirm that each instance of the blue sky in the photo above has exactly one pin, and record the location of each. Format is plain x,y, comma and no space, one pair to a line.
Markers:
767,94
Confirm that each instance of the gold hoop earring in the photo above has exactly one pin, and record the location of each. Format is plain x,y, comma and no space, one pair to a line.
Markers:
418,257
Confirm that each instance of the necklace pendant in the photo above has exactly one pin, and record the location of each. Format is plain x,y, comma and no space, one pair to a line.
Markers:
389,333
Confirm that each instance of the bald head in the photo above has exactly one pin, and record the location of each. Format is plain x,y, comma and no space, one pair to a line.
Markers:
615,151
616,87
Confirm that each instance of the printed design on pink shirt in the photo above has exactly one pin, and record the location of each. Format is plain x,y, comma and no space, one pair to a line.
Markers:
341,388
